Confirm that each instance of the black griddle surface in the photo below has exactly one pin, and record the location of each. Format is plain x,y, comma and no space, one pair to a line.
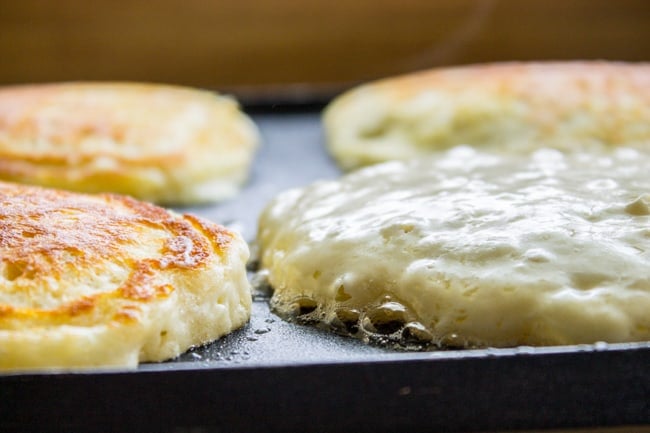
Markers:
276,376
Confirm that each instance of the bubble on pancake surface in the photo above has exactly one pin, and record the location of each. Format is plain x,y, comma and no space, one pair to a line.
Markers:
481,250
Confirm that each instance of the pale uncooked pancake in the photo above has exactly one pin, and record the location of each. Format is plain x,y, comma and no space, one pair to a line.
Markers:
470,249
511,107
108,281
158,143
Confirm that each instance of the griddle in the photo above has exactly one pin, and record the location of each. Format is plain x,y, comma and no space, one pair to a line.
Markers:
274,376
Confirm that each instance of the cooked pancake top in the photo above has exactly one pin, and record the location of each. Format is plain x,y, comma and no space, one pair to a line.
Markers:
617,81
512,107
67,257
74,123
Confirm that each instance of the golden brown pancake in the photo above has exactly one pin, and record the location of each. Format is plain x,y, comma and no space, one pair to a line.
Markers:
105,280
508,107
165,144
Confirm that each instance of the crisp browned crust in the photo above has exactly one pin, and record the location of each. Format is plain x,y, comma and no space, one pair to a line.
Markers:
506,106
73,260
155,142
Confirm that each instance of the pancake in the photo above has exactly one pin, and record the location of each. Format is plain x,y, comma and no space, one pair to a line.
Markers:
469,249
108,281
510,107
165,144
